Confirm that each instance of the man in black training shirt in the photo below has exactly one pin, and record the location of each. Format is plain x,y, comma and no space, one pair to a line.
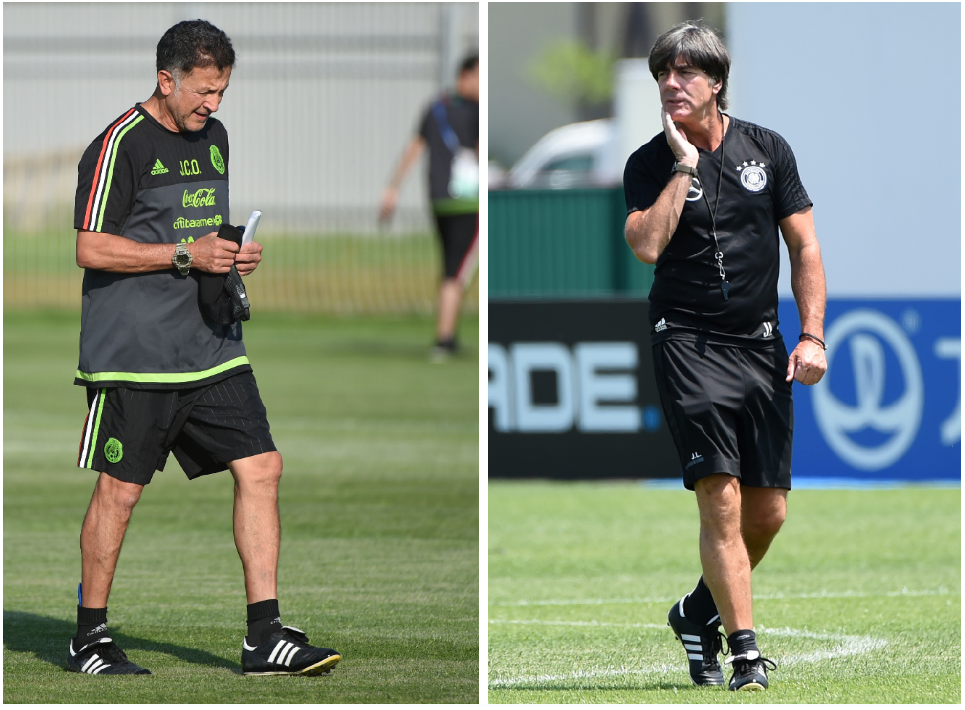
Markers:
450,129
705,199
152,193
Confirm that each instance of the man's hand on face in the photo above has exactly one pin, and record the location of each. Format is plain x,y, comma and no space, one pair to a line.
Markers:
807,364
214,255
684,151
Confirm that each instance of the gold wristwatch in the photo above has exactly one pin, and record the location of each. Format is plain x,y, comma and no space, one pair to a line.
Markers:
182,258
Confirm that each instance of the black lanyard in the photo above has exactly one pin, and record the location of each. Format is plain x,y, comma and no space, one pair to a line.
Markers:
718,254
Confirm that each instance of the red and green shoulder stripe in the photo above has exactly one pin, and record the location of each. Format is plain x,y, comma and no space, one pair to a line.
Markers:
103,173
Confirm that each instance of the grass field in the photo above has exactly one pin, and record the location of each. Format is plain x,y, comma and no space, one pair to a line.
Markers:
858,600
379,505
328,273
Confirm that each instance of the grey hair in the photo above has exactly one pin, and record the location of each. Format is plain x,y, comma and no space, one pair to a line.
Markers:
191,44
700,46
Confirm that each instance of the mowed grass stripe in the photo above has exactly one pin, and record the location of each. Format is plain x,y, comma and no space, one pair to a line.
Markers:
379,505
757,596
858,600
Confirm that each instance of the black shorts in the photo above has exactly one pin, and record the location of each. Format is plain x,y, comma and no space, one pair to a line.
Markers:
460,245
128,434
729,410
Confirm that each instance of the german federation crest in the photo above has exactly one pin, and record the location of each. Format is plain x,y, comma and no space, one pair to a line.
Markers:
753,176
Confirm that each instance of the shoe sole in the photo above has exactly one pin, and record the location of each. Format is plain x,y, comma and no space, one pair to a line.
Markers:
77,669
320,668
752,686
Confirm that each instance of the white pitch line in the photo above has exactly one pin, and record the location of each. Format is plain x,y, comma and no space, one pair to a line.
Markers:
849,645
846,645
538,622
658,600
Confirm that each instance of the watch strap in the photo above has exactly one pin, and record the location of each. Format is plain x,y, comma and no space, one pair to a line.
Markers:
681,168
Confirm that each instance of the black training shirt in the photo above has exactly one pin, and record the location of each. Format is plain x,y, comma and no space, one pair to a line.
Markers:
760,186
462,115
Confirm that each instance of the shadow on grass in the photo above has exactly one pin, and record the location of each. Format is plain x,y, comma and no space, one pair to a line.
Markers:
46,638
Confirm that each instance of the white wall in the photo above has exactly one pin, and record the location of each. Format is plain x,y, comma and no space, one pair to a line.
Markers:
869,97
323,97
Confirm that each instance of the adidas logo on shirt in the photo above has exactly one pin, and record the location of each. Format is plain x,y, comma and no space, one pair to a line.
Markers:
158,169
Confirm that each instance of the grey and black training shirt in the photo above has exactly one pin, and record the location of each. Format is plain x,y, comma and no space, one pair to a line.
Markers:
144,182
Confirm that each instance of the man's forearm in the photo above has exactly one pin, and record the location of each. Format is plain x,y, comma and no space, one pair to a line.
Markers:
648,233
111,252
808,286
412,153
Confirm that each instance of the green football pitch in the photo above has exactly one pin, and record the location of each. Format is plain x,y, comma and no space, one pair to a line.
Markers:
380,524
858,600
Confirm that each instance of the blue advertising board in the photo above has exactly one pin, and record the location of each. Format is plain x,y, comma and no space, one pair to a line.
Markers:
889,407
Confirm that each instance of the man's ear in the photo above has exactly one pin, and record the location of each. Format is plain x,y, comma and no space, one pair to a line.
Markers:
165,82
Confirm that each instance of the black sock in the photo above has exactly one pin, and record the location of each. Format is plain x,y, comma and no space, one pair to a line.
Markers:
264,619
699,606
742,641
91,625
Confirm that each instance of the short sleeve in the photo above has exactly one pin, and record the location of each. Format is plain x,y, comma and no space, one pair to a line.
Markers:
789,193
425,123
643,179
106,186
227,150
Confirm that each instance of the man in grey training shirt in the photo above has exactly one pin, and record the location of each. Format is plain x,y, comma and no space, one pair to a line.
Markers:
161,377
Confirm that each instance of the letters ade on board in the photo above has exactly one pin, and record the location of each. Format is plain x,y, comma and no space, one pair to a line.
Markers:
603,421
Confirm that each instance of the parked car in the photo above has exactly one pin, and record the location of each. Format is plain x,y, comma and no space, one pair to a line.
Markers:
575,155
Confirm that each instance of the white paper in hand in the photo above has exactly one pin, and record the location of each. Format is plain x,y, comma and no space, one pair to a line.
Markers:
250,228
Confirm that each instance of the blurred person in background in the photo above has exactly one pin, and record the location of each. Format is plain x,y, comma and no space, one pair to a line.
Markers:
450,129
704,200
160,376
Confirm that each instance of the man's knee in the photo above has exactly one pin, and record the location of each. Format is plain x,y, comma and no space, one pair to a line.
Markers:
120,495
719,503
263,469
764,511
764,524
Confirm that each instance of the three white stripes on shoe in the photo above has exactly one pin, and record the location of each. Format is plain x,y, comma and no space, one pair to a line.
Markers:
286,648
95,665
693,645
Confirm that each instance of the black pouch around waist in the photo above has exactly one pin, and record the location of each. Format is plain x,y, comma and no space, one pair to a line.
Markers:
222,297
